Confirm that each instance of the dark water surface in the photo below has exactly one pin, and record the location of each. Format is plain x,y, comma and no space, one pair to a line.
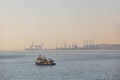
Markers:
70,65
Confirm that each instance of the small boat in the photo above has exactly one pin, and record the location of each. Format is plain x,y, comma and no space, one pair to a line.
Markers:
41,60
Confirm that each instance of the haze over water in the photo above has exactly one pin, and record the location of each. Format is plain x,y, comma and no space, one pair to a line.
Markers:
56,21
53,22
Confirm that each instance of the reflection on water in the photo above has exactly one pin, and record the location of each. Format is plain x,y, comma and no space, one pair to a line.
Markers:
71,65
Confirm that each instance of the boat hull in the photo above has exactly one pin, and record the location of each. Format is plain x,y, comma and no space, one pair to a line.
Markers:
45,64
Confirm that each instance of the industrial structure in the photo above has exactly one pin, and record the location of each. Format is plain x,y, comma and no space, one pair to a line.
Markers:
35,47
87,45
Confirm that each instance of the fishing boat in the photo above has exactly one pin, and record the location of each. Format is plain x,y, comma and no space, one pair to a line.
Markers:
41,60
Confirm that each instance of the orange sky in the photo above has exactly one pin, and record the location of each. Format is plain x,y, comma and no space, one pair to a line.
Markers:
56,22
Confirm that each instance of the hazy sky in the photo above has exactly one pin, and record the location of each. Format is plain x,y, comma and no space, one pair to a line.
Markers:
56,21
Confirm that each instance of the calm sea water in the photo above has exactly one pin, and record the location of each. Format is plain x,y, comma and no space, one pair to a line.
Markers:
70,65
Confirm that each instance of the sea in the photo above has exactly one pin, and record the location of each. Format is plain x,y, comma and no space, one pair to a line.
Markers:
70,65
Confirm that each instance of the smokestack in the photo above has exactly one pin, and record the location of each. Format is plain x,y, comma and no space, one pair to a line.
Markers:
92,42
73,45
84,43
87,43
